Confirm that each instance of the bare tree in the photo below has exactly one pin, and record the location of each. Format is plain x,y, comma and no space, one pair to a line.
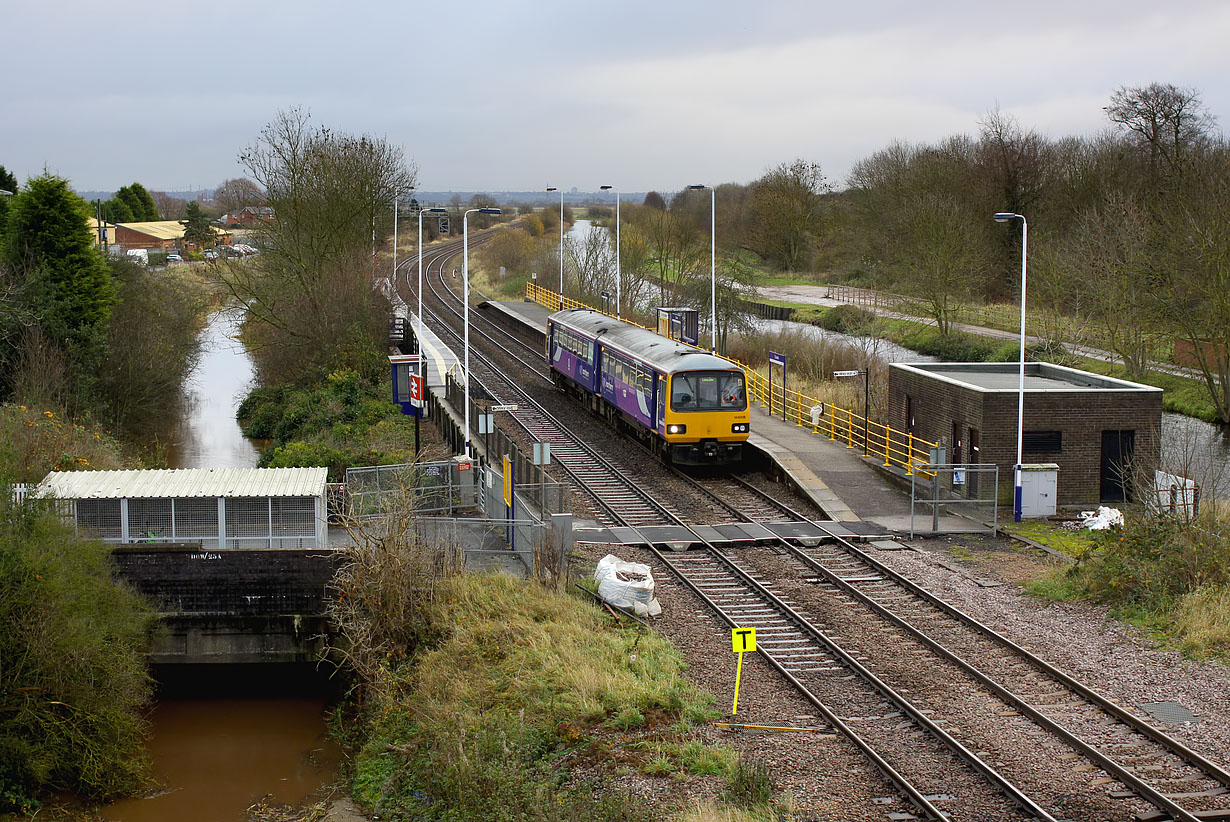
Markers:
1110,259
237,193
309,296
786,214
1168,121
1192,292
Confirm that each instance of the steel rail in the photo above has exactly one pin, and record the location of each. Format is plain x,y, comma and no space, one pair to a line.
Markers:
1143,788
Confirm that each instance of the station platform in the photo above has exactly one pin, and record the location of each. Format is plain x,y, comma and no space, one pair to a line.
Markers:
862,499
438,357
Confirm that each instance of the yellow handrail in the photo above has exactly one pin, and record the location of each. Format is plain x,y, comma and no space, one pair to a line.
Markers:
899,448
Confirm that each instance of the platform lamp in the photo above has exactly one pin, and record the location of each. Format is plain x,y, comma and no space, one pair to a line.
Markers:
561,243
618,270
1004,217
465,269
418,331
712,257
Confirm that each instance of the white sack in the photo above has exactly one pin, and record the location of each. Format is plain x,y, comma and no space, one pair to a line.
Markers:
626,585
1102,519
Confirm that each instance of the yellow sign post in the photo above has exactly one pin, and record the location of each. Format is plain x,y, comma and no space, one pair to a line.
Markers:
742,640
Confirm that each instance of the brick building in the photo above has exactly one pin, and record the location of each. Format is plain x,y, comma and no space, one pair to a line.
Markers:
162,234
1090,425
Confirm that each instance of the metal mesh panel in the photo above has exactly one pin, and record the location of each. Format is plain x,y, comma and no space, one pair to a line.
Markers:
196,517
100,517
247,517
294,516
149,519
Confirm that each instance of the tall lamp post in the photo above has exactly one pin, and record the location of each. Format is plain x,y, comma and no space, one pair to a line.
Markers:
712,258
418,331
1004,217
618,270
465,269
561,243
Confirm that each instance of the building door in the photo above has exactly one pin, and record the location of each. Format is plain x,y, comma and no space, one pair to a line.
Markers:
975,457
1118,448
955,459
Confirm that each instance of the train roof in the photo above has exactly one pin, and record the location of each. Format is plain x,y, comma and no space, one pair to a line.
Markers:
647,346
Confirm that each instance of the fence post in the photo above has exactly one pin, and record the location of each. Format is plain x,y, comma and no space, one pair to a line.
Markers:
849,428
888,439
909,455
832,424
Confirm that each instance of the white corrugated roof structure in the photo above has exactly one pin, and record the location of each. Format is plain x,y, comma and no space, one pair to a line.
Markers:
185,482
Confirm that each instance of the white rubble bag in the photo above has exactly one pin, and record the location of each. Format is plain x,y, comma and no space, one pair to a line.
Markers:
626,585
1102,519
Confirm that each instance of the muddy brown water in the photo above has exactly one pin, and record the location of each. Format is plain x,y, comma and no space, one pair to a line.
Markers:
225,737
215,757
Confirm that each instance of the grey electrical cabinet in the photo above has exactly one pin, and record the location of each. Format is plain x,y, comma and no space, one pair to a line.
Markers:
1039,484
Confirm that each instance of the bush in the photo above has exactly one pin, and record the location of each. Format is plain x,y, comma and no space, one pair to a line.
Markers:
847,319
73,679
342,422
954,347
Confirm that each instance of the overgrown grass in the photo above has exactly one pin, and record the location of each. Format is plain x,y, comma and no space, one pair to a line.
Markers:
1168,577
525,707
341,422
35,441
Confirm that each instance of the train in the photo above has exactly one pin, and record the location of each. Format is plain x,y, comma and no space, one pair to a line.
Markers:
688,406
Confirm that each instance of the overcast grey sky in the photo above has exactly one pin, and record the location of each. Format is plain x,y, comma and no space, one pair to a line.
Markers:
487,95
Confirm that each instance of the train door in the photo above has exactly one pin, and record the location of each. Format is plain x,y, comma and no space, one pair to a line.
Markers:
659,420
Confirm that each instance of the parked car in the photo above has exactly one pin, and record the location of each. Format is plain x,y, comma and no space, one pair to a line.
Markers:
174,258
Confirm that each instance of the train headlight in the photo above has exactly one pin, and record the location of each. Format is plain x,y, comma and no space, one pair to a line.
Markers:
740,428
676,429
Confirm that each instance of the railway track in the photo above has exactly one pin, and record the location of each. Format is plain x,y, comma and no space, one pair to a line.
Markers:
1141,761
915,752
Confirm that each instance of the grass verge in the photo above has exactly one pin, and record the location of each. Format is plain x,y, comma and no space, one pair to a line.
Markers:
530,705
1167,577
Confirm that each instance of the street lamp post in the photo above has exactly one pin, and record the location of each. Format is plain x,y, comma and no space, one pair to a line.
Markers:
561,243
418,332
465,269
712,257
1003,217
618,270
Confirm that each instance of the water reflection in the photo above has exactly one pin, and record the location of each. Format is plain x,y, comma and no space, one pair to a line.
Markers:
1199,450
208,436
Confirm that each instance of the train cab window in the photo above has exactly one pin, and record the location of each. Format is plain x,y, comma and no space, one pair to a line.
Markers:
708,391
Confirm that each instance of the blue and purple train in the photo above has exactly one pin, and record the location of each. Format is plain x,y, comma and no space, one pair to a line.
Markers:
688,405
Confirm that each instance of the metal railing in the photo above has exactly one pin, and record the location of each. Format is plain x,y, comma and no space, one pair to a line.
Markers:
896,448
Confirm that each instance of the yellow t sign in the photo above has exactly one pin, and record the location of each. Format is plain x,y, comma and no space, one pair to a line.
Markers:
742,640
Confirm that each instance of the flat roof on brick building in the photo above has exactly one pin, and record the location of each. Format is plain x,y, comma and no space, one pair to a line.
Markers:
1005,377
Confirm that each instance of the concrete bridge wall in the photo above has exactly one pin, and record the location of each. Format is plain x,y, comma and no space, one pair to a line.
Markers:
232,606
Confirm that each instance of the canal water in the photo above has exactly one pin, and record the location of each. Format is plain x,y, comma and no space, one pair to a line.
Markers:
207,436
224,737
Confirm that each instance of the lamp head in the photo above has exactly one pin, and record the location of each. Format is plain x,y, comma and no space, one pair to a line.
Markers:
552,188
697,188
436,210
490,211
1004,216
606,188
